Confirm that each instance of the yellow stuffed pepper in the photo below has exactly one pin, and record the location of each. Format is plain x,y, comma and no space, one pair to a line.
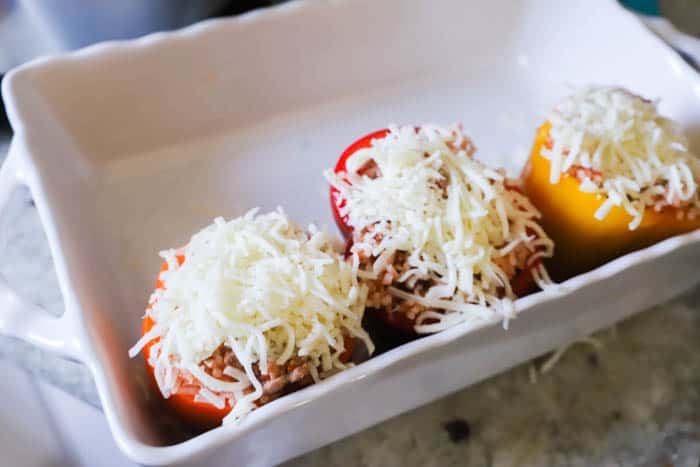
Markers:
610,175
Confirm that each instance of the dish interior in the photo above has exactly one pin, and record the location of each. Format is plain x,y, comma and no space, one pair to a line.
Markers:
142,146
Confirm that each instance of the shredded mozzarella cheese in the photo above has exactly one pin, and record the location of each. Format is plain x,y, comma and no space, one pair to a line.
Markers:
261,286
458,220
642,157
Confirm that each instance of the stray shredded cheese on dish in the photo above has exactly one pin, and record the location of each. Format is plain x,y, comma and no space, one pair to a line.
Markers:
263,287
556,356
459,221
638,158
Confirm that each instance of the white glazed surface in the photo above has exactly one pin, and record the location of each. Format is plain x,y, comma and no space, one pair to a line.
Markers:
130,147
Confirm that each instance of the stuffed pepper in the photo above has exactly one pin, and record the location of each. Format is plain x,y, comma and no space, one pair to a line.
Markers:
438,237
250,310
610,175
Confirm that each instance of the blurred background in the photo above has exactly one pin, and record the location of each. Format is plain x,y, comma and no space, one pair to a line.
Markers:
30,28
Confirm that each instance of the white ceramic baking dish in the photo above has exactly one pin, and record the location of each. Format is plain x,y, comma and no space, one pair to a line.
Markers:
130,147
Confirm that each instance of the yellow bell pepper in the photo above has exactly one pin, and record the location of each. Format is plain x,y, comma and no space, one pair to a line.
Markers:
581,241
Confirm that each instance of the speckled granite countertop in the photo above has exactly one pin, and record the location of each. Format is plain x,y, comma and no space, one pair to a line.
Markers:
635,401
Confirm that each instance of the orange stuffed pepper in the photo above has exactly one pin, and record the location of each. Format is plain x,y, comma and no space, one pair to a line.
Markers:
231,325
610,176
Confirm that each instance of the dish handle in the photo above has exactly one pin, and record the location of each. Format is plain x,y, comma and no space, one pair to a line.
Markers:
19,317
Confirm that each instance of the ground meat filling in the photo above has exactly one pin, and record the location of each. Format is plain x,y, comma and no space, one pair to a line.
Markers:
278,381
370,169
659,200
379,297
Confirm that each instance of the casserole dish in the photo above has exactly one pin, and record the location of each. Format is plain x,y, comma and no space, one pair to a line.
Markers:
129,147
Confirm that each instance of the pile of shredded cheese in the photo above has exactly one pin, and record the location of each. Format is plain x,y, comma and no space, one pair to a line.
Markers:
642,157
456,218
264,288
